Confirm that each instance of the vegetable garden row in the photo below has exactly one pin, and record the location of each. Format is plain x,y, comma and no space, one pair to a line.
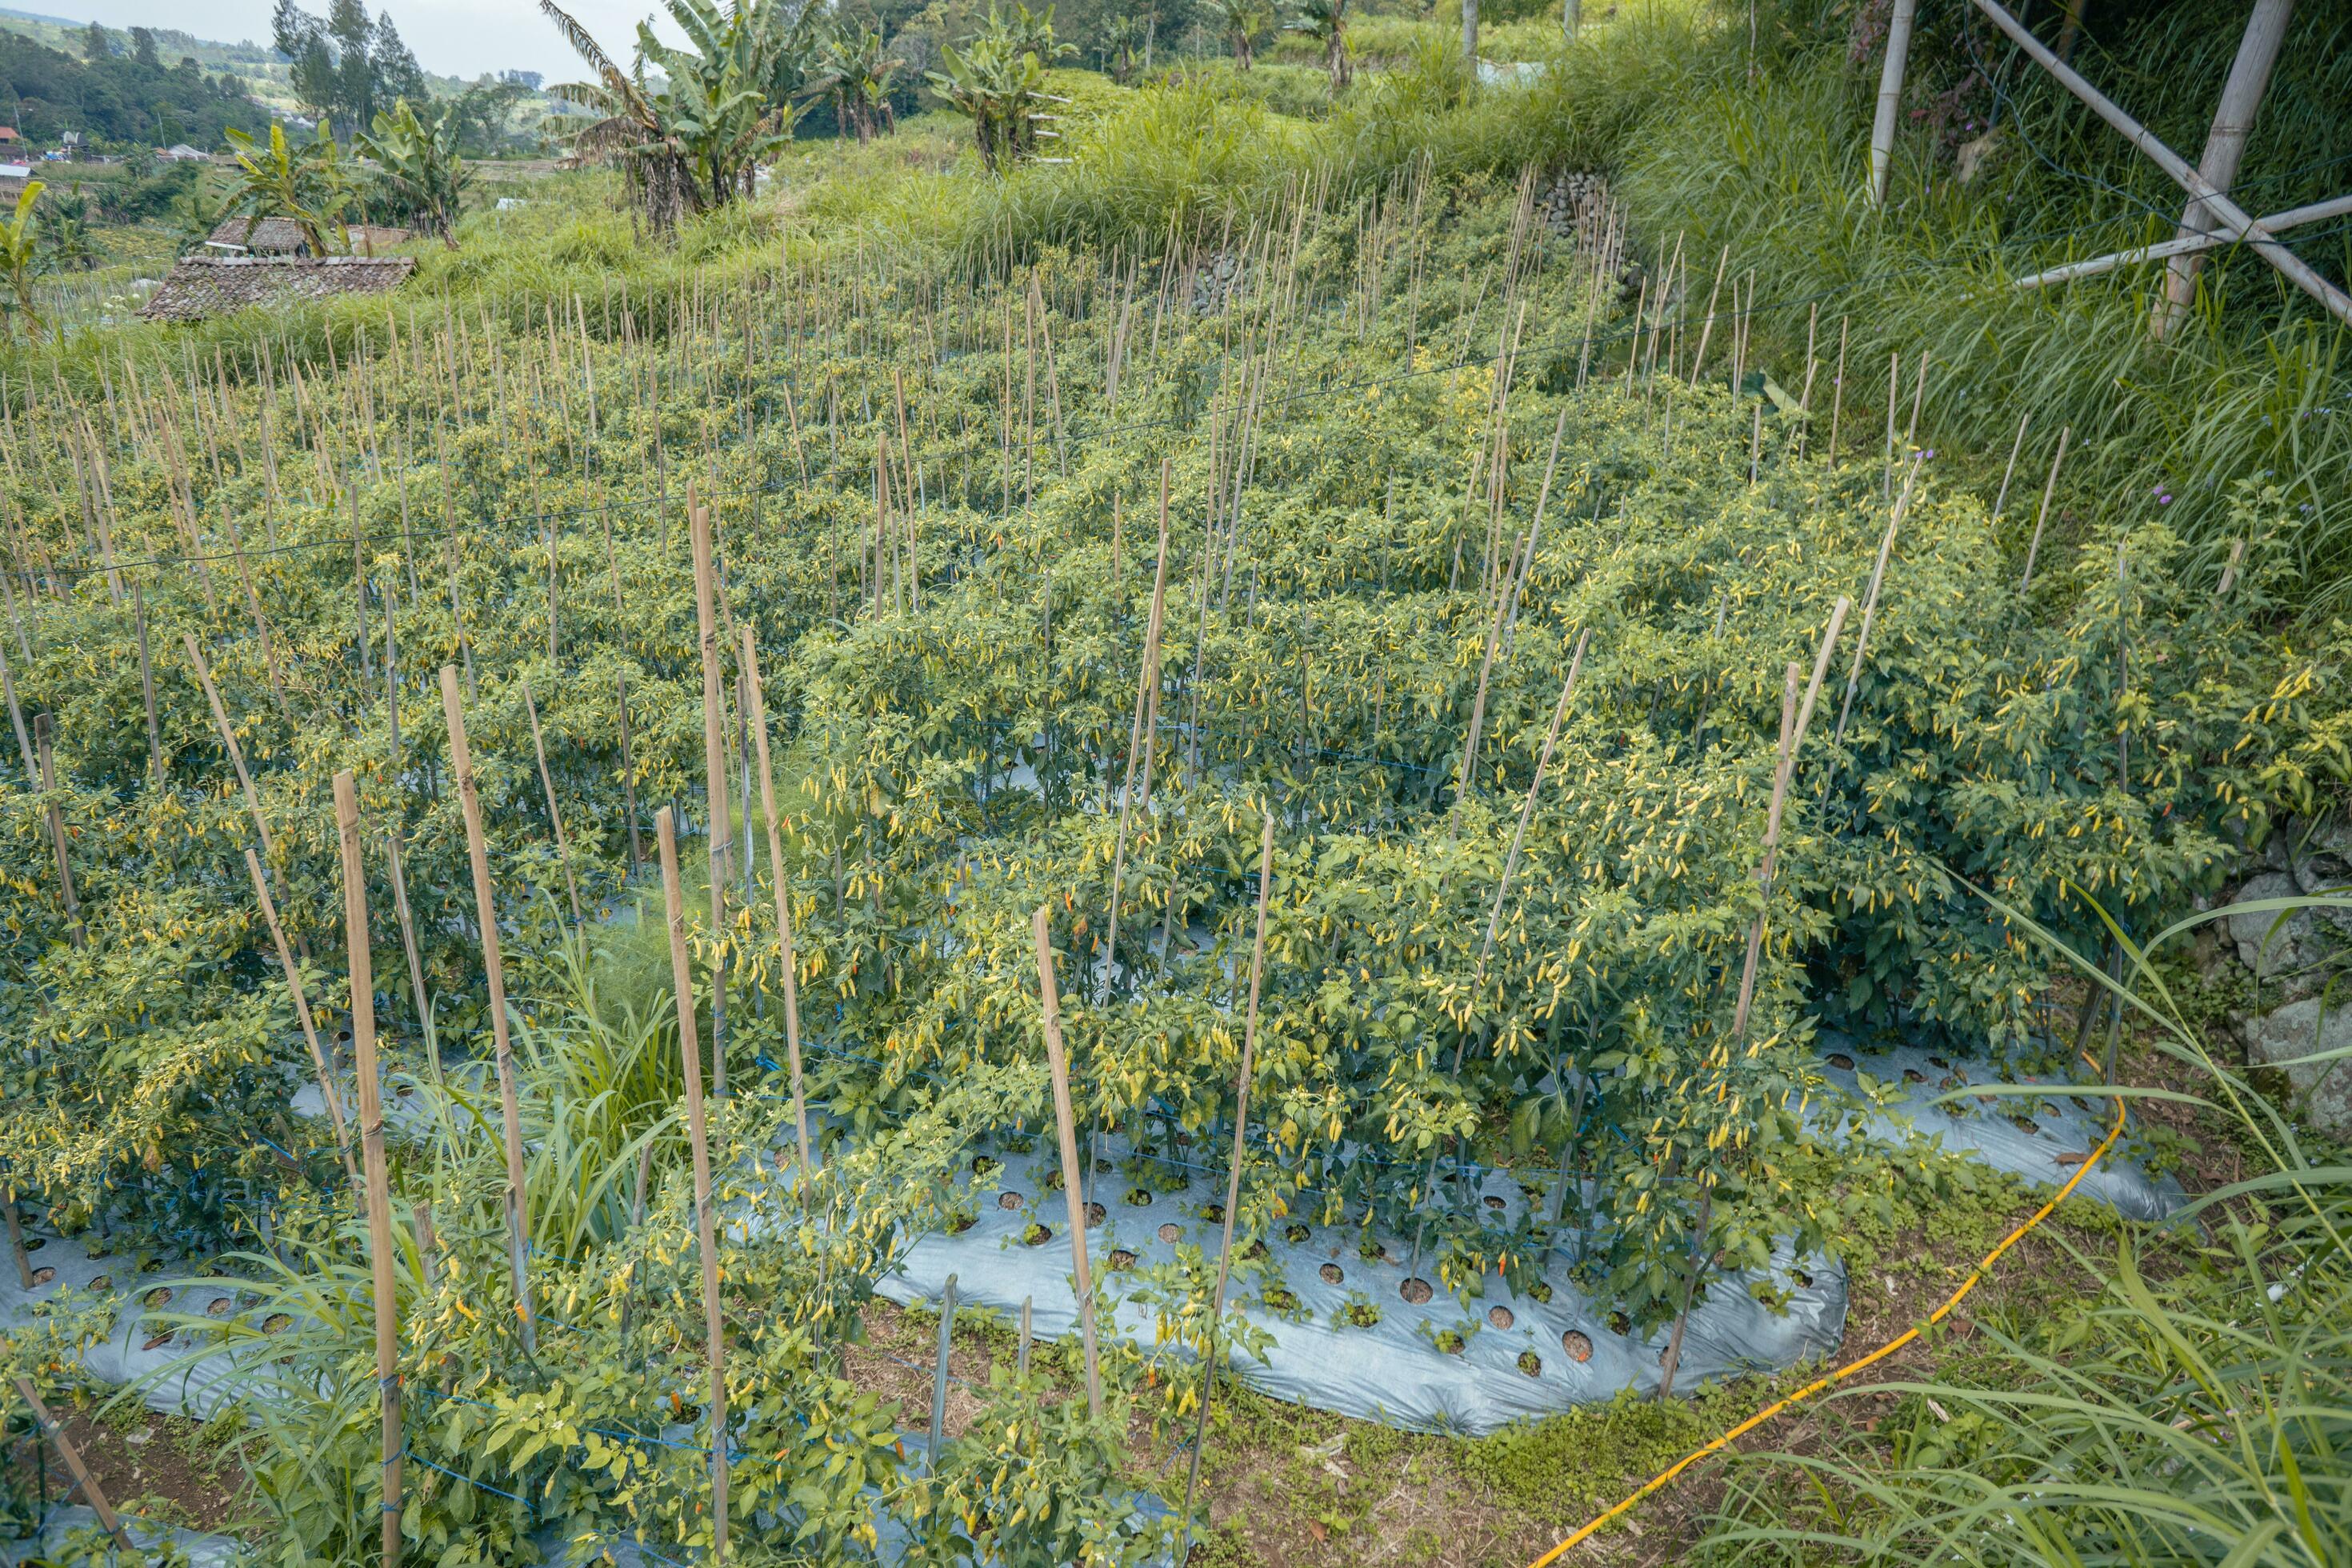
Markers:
1618,725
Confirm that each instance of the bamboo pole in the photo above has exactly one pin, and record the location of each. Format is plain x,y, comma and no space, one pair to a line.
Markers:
1870,600
714,764
416,961
628,776
789,957
16,1239
2042,518
2001,501
486,919
16,719
379,1196
57,830
1890,98
147,684
690,1050
302,1014
555,814
228,739
1143,734
1209,1360
88,1483
1071,1182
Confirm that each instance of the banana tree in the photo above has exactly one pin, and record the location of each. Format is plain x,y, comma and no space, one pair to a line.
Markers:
1326,20
20,254
1242,21
855,67
998,76
307,186
722,107
418,164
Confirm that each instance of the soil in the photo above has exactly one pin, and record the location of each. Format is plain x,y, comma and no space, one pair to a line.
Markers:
164,1468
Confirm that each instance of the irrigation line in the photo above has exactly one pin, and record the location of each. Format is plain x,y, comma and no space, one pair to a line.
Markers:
1951,1302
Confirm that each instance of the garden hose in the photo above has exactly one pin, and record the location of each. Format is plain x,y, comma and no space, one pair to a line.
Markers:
1984,1265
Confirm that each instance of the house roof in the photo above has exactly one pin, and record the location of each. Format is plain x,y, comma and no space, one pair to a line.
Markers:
15,170
204,285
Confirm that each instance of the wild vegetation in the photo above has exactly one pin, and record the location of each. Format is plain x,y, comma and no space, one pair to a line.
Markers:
1630,697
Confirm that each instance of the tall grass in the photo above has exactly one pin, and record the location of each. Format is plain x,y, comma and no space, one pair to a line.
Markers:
2197,1409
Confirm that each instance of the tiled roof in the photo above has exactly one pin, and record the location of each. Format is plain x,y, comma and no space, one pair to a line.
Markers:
203,286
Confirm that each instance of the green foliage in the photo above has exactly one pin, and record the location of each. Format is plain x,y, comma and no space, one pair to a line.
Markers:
119,100
1573,1466
309,185
418,166
997,78
20,256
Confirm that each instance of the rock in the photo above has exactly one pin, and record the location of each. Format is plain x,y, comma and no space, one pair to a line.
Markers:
2321,1090
2279,948
1970,160
2322,856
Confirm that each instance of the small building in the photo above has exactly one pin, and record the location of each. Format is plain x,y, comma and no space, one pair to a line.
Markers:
180,152
8,137
13,176
283,237
201,287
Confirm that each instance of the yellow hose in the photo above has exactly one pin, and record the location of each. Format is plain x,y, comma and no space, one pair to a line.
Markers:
1666,1476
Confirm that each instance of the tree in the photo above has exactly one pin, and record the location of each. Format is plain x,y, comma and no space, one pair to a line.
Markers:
195,215
345,66
856,67
418,166
67,246
694,142
1242,21
94,46
997,76
1328,20
307,186
19,257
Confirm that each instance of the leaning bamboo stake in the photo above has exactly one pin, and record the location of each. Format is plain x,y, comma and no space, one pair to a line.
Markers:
1837,393
681,971
17,1241
17,720
1066,1124
759,716
302,1014
2001,501
2049,488
147,685
1143,734
379,1194
486,919
83,1480
228,739
416,961
1870,599
555,814
1706,330
628,776
714,764
57,830
1233,1174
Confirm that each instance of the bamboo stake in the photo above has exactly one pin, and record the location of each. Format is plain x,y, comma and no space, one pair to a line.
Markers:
1066,1124
416,962
628,776
789,959
302,1014
57,830
147,683
690,1050
16,1239
2001,501
714,763
1144,734
228,739
2049,488
1209,1360
1706,330
16,719
554,815
88,1483
379,1197
1837,395
1870,601
486,918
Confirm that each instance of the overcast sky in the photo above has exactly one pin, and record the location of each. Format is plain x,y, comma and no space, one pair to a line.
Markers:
452,38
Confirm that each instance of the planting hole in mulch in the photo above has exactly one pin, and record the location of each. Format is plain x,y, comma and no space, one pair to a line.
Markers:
1913,1075
1213,1213
1579,1348
1541,1291
2025,1124
1122,1260
1094,1213
1372,1251
1939,1061
1416,1291
42,1276
1170,1233
219,1307
158,1298
1296,1235
1331,1273
1801,1277
277,1323
985,1166
1620,1324
35,1243
1501,1317
959,1222
101,1285
1038,1235
1841,1061
1532,1363
1495,1203
1053,1181
1010,1200
1281,1300
157,1342
1254,1251
1139,1197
